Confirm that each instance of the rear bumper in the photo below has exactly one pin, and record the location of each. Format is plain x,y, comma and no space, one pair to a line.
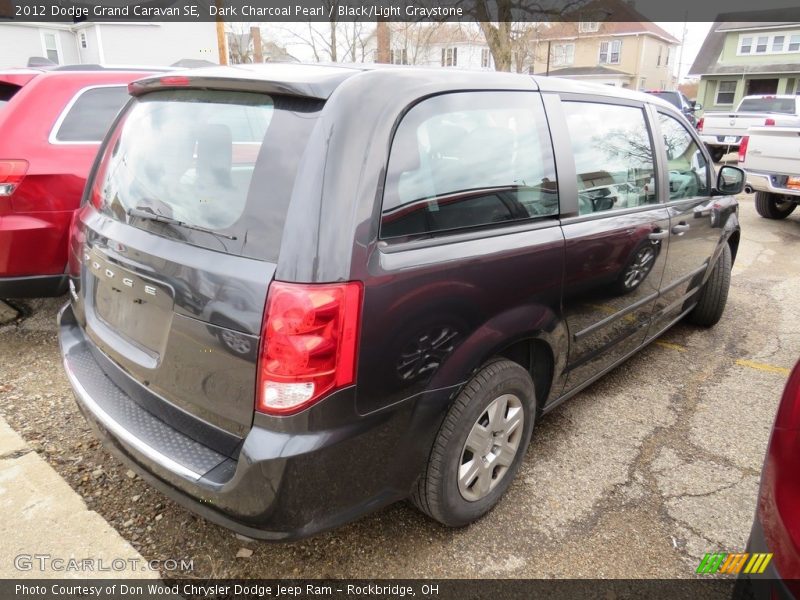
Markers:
766,182
766,586
280,483
38,286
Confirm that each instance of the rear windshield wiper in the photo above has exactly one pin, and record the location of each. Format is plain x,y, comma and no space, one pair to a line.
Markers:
147,213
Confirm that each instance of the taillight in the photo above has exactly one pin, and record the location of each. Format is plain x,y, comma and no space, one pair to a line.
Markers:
700,122
12,172
788,416
174,80
743,148
769,121
309,342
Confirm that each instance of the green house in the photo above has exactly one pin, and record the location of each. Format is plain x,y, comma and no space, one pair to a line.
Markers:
742,59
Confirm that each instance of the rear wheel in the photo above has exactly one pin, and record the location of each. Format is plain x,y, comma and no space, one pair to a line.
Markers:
479,446
773,206
714,294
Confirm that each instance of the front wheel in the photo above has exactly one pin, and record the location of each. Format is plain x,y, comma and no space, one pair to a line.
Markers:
714,294
479,446
773,206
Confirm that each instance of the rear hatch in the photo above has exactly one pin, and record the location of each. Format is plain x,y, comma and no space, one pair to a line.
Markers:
179,241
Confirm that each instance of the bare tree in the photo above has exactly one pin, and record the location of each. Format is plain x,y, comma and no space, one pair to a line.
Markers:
240,42
505,24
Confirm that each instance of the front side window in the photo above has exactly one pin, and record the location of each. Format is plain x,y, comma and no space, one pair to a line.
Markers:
687,167
466,160
726,92
613,156
91,114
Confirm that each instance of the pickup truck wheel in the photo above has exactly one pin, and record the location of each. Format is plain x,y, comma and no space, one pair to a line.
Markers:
773,206
716,153
479,446
714,294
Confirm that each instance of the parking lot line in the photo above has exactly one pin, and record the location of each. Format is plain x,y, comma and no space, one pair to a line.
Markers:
670,345
762,367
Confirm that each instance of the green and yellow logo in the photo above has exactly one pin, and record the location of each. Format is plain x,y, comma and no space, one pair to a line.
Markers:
733,564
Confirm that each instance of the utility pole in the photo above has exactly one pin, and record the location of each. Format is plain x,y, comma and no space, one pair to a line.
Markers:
222,45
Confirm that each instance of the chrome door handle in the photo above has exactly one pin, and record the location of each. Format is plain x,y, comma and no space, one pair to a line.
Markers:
658,234
680,228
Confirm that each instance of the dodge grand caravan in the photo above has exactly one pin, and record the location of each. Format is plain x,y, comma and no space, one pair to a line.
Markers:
301,293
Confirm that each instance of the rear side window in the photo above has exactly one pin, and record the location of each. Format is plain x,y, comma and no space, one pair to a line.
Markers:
769,105
220,161
613,156
466,160
7,90
90,115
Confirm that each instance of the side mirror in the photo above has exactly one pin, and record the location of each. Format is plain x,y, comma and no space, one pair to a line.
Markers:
730,180
696,106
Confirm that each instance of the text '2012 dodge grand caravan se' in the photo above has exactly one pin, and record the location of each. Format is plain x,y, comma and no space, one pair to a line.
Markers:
301,293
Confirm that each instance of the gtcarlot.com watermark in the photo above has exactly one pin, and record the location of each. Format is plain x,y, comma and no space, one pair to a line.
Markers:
48,562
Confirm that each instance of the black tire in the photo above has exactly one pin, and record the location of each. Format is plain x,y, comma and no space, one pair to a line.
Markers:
773,206
437,493
716,153
714,294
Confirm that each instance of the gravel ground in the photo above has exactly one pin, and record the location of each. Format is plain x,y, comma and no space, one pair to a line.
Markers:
639,475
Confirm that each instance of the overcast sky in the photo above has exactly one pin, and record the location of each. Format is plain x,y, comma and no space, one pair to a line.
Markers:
693,35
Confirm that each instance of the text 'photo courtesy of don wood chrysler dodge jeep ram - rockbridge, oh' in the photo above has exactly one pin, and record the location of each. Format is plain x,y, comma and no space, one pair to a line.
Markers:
301,293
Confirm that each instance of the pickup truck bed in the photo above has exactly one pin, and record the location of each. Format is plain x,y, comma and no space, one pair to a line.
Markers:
722,132
771,158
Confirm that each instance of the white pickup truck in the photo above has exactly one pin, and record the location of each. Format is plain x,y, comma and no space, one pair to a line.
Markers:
722,132
771,158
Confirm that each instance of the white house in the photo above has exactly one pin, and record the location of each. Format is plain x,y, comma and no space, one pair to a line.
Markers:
143,44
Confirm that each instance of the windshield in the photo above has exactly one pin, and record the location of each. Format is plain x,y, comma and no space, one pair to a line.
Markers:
220,162
768,105
671,97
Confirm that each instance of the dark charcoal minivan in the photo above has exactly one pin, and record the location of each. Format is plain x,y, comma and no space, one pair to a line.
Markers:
301,293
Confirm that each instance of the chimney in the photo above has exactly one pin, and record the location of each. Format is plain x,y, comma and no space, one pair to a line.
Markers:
258,52
382,36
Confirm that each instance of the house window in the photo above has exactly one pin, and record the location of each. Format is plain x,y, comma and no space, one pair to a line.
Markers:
449,57
777,43
761,44
588,26
485,58
658,63
726,92
666,61
84,43
50,44
745,45
610,51
562,54
794,43
398,56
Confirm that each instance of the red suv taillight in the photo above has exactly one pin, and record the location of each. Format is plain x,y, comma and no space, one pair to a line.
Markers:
743,148
700,122
309,342
12,172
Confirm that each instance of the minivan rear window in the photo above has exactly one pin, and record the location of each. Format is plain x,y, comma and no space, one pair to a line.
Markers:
7,90
768,105
221,163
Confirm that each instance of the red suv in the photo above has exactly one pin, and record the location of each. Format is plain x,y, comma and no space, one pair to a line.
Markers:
51,124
